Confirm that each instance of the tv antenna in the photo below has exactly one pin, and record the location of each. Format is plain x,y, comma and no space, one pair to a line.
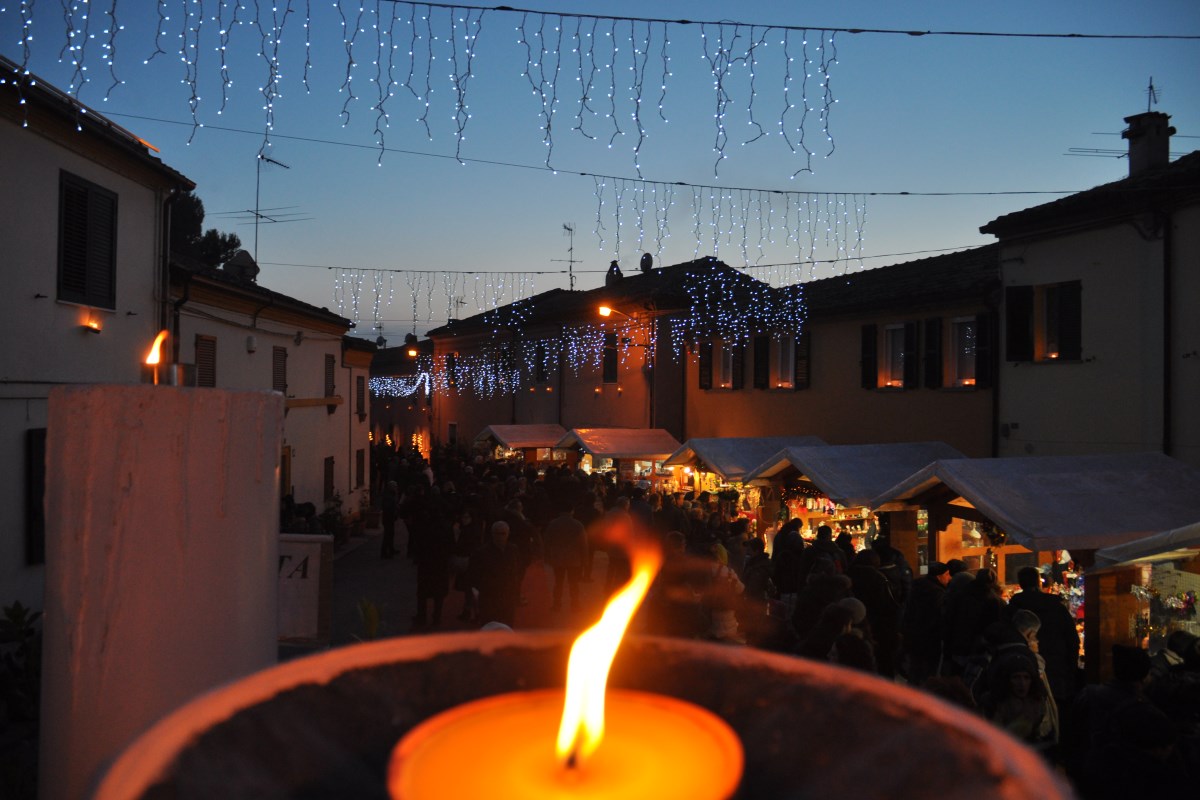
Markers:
259,159
571,261
1151,95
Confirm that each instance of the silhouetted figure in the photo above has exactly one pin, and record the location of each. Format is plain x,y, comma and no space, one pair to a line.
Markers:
566,549
613,276
496,572
1058,641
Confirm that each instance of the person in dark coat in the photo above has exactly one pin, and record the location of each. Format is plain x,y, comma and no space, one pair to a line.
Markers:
921,624
390,504
566,549
967,616
883,611
1058,640
824,587
433,570
468,537
834,621
496,573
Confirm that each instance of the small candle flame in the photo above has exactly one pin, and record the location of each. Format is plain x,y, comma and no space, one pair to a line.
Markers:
155,355
591,658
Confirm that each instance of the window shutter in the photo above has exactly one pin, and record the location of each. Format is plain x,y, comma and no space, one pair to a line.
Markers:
762,362
329,488
452,370
985,350
912,364
706,365
279,369
933,353
870,348
206,361
360,394
1018,323
609,366
801,378
1070,321
739,365
102,249
330,371
87,242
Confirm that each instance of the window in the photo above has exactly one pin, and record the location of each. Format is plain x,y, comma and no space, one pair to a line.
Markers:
452,370
279,357
963,338
705,370
610,358
360,468
87,243
1044,323
802,371
206,361
762,362
330,375
452,434
328,480
783,361
896,365
360,396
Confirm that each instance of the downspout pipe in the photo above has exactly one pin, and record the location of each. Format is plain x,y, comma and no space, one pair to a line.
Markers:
1168,443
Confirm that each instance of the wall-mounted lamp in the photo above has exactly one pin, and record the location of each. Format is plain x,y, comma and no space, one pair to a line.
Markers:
91,326
251,344
608,311
549,388
298,338
597,390
620,388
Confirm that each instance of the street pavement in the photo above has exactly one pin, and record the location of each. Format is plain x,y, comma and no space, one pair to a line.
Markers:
361,576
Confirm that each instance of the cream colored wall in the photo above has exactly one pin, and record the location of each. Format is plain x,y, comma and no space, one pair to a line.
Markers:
1111,400
41,339
836,408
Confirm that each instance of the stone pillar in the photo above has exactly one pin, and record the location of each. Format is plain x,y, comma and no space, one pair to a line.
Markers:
162,509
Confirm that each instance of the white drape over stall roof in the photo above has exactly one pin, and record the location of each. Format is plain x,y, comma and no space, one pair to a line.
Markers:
646,444
1164,546
853,474
1067,502
519,437
732,457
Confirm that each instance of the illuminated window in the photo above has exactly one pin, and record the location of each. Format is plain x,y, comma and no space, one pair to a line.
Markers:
895,365
721,365
783,361
87,243
963,341
1044,323
893,356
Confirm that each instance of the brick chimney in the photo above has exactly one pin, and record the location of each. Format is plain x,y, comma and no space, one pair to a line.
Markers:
1149,138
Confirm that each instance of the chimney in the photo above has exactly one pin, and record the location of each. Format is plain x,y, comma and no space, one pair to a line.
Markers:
1149,138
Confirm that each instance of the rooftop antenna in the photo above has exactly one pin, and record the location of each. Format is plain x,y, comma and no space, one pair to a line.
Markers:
571,261
1151,95
259,159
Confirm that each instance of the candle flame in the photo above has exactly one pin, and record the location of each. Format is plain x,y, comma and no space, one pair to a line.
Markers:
591,658
155,355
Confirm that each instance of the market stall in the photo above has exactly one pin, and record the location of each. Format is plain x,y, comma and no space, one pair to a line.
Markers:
1054,512
833,484
634,454
1146,589
534,443
719,466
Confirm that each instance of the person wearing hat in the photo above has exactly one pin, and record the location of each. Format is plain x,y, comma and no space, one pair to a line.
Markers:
921,624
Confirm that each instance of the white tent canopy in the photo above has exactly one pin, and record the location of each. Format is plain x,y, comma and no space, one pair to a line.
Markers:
646,444
520,437
1067,502
853,474
733,457
1164,546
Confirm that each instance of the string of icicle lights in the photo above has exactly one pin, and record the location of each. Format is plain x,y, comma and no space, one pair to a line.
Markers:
715,304
596,77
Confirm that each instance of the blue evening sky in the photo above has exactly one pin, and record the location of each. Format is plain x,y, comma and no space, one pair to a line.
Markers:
927,114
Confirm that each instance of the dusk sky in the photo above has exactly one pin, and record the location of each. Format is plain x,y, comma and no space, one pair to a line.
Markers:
958,117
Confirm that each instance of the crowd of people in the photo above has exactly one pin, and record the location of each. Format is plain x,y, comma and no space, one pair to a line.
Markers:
475,527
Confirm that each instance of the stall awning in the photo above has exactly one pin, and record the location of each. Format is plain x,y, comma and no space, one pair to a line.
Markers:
1165,546
521,437
853,474
647,444
1065,502
732,457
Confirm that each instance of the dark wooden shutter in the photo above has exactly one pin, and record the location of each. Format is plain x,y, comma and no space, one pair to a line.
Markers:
738,366
933,353
610,358
762,362
706,365
279,369
801,376
328,486
87,241
540,373
985,350
452,370
330,373
1018,323
360,395
1070,321
206,361
912,363
869,360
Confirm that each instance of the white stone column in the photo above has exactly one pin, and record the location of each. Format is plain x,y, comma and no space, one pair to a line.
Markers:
162,509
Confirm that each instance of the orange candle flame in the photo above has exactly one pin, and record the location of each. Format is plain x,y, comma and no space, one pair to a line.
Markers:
155,355
591,658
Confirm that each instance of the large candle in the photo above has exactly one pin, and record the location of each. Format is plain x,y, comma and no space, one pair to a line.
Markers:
628,745
655,747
